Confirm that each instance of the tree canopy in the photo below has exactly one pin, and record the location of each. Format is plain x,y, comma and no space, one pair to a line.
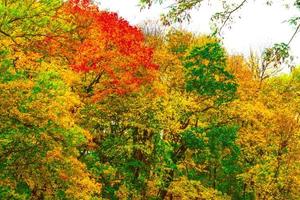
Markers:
92,107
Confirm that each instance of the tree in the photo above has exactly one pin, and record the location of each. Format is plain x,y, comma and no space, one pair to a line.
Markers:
179,11
264,141
92,109
109,52
38,145
187,106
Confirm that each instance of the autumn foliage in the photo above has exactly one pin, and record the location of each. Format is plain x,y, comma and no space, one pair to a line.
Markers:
104,44
91,108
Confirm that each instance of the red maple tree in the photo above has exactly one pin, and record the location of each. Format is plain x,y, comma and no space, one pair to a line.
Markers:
103,43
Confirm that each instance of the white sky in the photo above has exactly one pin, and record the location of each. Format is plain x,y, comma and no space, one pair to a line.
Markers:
259,27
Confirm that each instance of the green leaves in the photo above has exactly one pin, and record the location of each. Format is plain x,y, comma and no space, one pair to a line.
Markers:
297,4
206,73
26,19
185,134
194,138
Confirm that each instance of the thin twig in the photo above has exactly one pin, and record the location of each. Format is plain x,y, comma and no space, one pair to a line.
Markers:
230,13
295,33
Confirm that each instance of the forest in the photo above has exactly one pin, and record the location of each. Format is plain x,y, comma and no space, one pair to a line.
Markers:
92,107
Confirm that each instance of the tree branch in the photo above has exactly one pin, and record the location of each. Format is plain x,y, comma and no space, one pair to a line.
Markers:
230,13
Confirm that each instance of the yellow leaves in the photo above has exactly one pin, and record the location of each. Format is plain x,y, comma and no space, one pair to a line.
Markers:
179,40
202,40
10,96
70,77
265,181
109,171
189,189
23,117
80,180
248,85
38,113
268,129
16,86
8,182
205,62
123,192
86,186
29,102
89,140
55,154
172,106
171,69
26,61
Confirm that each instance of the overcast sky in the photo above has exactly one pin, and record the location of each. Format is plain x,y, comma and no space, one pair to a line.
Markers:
260,25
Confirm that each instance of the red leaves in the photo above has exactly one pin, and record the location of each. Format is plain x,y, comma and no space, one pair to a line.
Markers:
103,42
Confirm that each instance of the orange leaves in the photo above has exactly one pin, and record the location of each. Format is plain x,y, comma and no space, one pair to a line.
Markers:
63,176
104,44
55,154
